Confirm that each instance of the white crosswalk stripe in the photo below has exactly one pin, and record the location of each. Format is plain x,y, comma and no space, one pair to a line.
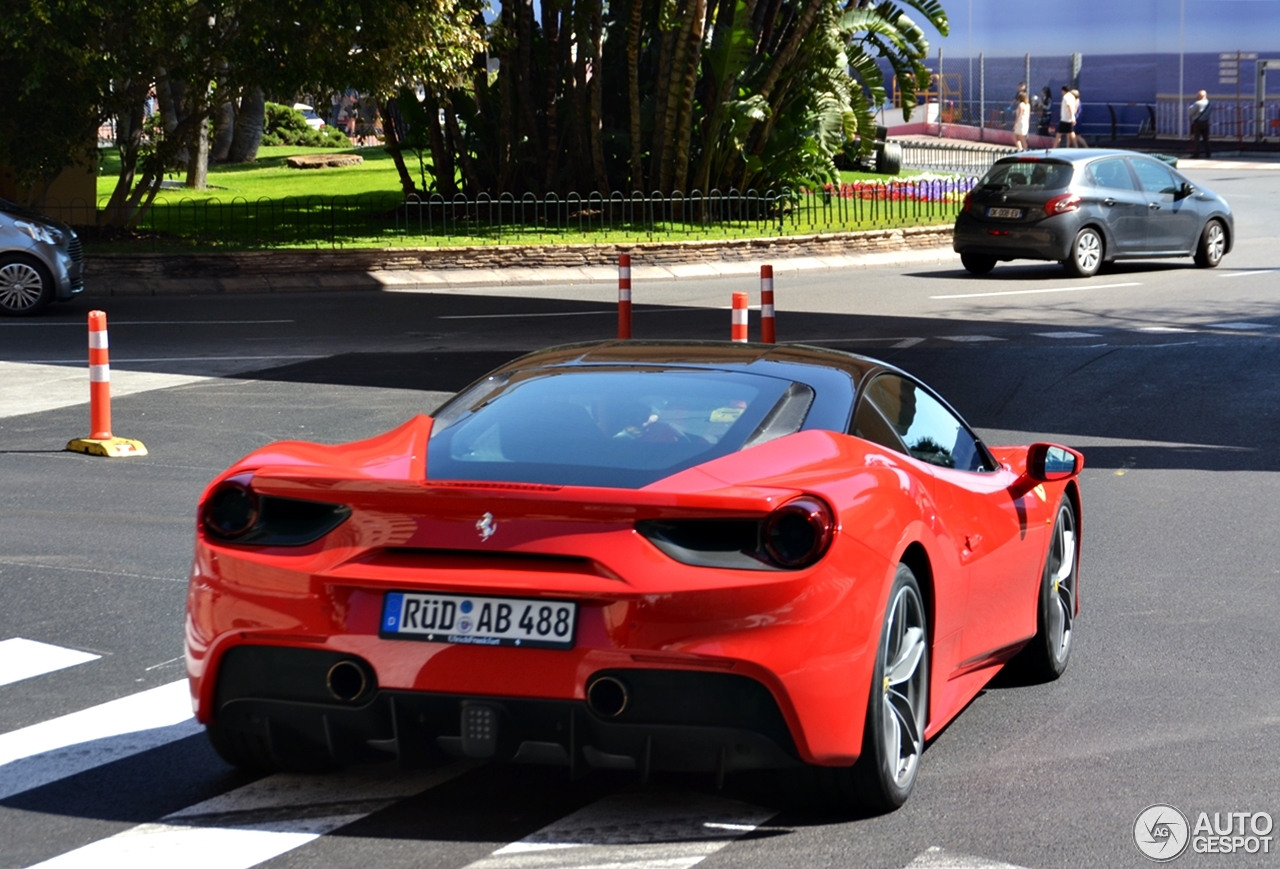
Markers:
937,858
254,823
25,659
51,750
666,830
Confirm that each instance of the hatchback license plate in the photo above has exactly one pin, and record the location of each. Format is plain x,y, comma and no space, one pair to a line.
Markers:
479,621
1004,212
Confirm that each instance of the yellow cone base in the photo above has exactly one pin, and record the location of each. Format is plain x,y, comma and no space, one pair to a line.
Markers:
109,447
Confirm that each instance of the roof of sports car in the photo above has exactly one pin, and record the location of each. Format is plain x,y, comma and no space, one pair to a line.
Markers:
714,354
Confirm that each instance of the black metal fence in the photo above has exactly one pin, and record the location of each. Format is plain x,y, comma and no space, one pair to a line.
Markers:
375,220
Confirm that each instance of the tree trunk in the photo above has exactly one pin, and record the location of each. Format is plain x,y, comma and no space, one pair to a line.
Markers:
441,156
506,98
685,125
394,135
552,33
675,97
250,124
198,162
469,174
530,135
595,98
224,130
129,141
633,91
665,47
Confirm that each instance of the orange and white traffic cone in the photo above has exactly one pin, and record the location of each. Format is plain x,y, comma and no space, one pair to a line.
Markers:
768,328
100,441
624,295
738,332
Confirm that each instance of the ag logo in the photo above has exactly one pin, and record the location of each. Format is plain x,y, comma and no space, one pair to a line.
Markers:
486,526
1161,833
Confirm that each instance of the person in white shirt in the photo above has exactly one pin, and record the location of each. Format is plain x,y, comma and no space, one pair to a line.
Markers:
1067,119
1021,121
1199,114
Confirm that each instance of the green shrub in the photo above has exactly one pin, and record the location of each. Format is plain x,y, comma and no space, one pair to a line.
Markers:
287,126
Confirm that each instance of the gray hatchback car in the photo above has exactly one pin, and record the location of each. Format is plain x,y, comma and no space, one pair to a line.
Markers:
41,260
1086,207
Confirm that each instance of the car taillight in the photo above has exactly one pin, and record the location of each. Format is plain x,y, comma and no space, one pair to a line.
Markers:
968,201
1062,204
798,533
230,511
235,513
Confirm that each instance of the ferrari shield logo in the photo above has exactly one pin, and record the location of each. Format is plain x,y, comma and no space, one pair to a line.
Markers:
486,526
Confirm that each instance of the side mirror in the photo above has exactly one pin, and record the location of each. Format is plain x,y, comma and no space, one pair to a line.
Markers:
1186,189
1049,462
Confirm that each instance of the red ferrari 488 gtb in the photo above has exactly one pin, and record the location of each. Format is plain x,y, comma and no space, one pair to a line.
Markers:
627,555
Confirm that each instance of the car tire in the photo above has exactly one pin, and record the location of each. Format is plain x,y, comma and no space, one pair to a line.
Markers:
1045,658
25,285
1086,254
897,712
256,753
977,264
1212,246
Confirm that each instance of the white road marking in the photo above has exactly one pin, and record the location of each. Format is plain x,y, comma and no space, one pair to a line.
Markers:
633,831
23,659
1033,292
969,339
1065,335
905,343
49,566
611,313
77,361
115,323
937,858
1241,326
32,387
255,823
1249,274
51,750
1163,329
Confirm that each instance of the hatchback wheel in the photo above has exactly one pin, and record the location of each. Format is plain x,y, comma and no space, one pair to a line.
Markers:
1213,245
976,263
25,286
1086,254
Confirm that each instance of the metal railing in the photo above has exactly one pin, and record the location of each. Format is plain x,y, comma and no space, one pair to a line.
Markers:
379,220
948,157
1231,116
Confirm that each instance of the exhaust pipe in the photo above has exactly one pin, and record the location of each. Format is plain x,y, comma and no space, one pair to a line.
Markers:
346,681
607,697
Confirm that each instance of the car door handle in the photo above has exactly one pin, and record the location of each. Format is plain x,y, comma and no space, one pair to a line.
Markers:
1108,201
1154,206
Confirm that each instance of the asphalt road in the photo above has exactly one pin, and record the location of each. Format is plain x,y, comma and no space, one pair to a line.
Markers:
1164,375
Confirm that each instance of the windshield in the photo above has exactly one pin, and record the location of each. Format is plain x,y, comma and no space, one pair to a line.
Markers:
623,428
1026,174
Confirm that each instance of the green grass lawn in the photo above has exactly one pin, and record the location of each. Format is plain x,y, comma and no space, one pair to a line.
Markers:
268,204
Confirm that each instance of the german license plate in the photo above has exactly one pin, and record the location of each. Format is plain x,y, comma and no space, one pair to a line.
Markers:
479,621
1004,212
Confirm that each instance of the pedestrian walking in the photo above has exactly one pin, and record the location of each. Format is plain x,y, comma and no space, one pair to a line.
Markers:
1045,125
1066,136
1200,113
1075,125
1021,121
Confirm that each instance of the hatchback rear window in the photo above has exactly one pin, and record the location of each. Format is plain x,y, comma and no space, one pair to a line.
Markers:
1028,175
608,427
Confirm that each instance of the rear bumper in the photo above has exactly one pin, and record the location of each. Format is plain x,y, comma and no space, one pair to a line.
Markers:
673,720
1048,239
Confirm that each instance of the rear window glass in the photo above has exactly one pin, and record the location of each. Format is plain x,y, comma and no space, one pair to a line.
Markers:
1026,174
608,427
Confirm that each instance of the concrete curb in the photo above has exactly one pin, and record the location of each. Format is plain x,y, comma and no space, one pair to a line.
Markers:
442,269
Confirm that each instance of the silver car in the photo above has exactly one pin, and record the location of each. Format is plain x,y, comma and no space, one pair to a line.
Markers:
1087,207
41,260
